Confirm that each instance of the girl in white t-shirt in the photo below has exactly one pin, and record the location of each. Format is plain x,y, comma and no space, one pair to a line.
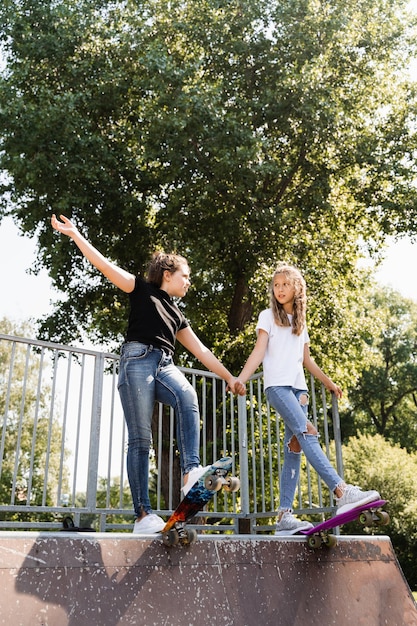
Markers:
283,346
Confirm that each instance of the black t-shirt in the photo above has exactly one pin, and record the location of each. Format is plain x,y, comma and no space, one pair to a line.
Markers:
154,317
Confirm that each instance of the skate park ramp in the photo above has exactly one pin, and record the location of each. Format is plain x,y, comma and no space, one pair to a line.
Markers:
92,579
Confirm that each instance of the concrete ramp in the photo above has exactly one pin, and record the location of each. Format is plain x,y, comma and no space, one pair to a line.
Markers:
92,579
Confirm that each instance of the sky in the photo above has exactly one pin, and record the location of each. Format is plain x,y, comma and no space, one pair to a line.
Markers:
24,295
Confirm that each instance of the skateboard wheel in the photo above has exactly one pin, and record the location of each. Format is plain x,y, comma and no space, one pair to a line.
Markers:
366,518
382,518
232,483
213,483
171,538
330,541
314,541
191,535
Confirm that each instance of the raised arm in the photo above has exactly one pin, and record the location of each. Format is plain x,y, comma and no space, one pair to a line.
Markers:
119,277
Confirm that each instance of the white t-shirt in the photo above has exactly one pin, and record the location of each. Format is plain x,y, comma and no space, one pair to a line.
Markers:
283,360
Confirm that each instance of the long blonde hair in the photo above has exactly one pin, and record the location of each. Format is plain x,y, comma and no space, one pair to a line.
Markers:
295,277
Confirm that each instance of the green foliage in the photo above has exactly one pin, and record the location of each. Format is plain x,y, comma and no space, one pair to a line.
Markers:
374,463
236,136
383,398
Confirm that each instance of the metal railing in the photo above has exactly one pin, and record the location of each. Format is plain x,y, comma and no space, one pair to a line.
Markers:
63,445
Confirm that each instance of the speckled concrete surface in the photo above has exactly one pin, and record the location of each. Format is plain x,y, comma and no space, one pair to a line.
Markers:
91,579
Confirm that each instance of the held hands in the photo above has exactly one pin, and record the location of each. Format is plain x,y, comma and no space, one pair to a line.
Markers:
66,227
236,386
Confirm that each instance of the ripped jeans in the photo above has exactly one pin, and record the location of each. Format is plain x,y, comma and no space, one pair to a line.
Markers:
148,375
292,406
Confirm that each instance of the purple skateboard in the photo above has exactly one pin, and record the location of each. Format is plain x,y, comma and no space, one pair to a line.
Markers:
370,514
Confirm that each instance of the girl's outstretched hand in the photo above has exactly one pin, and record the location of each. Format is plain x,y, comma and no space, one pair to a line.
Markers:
66,227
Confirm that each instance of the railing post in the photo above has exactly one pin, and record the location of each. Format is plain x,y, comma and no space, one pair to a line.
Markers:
337,436
93,455
244,522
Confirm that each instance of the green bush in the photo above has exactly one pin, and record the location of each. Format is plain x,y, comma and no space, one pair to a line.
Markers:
373,463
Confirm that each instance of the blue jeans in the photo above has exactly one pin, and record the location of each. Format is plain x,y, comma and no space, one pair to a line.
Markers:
288,402
148,375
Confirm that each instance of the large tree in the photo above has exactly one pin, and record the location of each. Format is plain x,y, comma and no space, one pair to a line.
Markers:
383,399
239,133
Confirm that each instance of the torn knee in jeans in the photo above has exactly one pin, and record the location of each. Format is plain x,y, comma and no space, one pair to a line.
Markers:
294,444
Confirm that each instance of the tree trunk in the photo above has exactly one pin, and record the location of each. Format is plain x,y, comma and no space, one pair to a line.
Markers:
241,307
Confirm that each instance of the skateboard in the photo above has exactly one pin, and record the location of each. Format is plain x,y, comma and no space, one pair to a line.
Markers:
212,480
370,514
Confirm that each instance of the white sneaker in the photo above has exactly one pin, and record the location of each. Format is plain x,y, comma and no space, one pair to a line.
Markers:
290,525
149,525
353,497
193,476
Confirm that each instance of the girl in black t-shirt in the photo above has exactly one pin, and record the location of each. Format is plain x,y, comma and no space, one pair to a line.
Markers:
147,373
